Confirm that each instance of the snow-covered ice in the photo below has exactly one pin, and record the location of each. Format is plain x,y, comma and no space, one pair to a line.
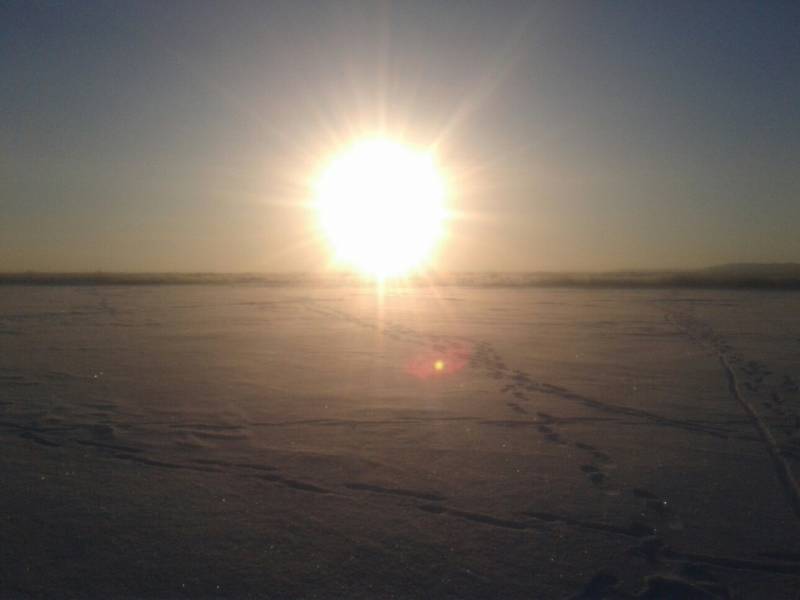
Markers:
455,442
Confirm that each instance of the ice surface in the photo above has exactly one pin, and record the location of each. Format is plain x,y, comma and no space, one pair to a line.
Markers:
454,442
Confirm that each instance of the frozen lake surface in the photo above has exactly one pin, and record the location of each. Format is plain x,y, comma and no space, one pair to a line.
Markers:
296,442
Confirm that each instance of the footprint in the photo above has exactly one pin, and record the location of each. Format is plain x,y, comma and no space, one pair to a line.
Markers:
516,408
520,377
595,475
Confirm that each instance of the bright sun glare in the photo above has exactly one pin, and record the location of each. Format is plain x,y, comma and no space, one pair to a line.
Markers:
381,206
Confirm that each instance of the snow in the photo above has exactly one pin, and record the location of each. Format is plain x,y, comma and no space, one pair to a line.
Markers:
230,440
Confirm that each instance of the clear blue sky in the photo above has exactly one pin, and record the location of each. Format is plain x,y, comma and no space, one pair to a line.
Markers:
154,136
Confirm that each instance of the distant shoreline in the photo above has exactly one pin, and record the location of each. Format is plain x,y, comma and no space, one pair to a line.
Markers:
779,277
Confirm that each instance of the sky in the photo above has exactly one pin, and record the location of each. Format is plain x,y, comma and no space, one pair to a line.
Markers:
183,136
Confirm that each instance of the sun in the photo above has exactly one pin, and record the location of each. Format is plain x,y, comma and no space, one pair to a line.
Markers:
381,206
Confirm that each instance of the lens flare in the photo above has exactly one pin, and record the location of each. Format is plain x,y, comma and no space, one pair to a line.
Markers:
440,364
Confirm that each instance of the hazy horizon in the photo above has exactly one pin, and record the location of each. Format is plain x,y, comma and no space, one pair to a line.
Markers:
754,276
768,265
574,137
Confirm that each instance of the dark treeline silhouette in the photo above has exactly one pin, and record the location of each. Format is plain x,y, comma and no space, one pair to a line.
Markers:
732,276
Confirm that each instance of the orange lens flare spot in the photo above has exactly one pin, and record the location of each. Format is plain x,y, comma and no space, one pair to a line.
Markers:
440,364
